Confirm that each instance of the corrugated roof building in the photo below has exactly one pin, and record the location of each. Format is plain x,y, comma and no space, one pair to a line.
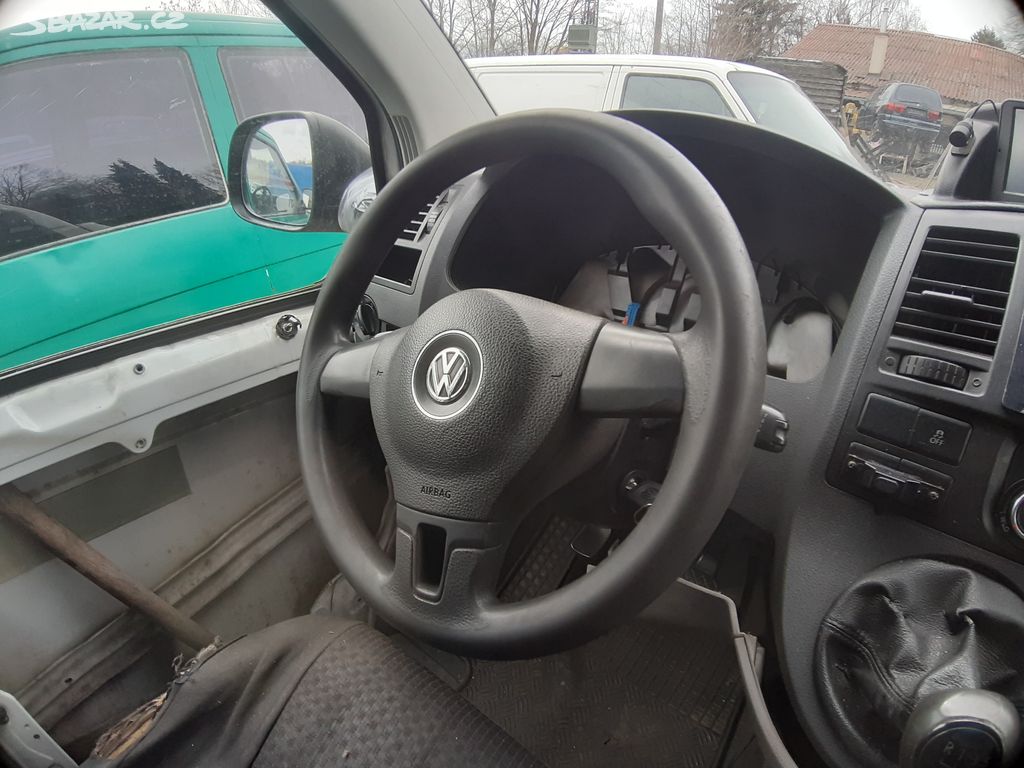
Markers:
964,73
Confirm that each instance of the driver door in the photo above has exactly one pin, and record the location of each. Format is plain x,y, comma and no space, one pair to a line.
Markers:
166,445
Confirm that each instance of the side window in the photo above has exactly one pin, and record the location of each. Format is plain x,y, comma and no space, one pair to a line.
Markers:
685,94
114,213
287,79
100,140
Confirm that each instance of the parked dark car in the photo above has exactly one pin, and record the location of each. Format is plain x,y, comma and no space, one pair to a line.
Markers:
903,111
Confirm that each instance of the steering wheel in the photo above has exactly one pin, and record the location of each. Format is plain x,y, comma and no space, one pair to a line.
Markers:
262,200
472,402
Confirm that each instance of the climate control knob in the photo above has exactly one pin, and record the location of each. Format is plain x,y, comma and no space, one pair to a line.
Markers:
1015,514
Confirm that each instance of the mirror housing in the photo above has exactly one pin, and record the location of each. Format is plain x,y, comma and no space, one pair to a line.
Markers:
338,156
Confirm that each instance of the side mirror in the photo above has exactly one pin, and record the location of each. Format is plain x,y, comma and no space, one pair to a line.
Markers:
290,170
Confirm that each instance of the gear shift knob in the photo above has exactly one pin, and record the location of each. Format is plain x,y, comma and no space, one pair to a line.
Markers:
964,728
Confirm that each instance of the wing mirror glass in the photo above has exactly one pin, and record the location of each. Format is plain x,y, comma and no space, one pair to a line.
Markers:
290,170
276,158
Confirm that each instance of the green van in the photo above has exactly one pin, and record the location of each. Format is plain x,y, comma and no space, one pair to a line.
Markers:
114,137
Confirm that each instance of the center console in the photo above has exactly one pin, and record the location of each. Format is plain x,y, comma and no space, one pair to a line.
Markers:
935,431
899,612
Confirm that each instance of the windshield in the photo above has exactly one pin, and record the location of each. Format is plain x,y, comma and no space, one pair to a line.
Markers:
879,84
780,105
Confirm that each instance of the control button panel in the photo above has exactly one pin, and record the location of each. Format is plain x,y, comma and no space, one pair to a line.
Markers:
891,477
926,432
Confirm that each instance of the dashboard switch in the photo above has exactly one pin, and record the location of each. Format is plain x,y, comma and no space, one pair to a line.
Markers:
940,437
888,419
934,371
885,485
890,477
771,435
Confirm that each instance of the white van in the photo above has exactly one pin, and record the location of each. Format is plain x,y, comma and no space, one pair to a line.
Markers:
710,86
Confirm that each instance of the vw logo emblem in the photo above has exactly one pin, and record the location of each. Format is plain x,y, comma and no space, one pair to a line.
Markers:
448,375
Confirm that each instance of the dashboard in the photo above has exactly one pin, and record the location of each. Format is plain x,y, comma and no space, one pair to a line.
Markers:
537,227
896,349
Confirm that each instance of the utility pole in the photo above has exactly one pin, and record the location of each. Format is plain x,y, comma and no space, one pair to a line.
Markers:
659,15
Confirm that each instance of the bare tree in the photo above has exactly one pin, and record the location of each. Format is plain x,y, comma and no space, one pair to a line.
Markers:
228,7
454,17
1012,33
898,14
724,28
542,24
688,27
744,29
625,28
629,27
491,24
20,183
491,27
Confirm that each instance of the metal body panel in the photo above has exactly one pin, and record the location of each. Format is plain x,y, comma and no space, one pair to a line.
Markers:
114,403
232,466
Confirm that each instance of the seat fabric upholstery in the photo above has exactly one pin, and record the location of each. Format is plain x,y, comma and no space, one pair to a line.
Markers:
312,692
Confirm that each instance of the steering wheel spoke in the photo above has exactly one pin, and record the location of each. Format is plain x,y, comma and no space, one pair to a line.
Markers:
632,372
352,366
447,565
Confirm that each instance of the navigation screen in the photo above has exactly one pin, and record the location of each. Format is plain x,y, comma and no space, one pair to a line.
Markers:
1015,167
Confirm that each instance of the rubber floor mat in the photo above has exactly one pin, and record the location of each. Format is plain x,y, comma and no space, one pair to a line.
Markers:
545,564
644,695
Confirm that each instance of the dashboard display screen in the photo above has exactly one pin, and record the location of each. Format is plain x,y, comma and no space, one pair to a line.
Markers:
1015,165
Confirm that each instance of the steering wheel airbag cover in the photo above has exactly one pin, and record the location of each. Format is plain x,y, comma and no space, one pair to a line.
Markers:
458,467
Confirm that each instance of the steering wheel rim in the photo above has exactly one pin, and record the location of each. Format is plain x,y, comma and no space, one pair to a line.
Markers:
720,365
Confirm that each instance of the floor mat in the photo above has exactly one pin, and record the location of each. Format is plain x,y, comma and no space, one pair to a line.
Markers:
545,564
643,695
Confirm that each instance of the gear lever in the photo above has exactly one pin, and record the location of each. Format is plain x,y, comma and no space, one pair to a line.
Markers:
965,728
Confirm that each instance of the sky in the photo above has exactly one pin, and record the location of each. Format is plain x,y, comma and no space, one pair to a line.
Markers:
955,18
960,18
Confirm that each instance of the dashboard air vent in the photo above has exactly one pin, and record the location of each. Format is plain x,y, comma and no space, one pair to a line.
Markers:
400,264
424,220
957,295
414,228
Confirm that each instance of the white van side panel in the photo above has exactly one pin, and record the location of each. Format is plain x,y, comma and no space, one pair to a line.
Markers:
511,89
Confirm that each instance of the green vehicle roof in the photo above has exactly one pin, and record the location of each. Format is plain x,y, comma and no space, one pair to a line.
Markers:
134,24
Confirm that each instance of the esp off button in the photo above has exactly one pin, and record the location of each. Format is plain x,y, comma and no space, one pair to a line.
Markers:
940,437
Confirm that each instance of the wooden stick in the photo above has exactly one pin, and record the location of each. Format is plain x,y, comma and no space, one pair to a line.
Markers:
77,553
